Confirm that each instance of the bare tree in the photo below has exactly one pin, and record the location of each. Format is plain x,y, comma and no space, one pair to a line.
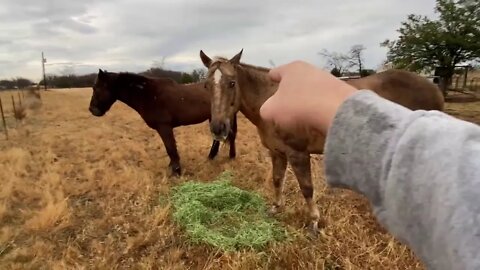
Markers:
159,64
338,61
343,62
22,82
356,57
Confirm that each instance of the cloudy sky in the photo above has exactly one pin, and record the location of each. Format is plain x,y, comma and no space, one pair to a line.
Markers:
132,35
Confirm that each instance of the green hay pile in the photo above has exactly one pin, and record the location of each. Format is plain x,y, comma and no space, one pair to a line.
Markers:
224,216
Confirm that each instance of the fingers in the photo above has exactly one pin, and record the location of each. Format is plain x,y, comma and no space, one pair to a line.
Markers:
266,110
275,74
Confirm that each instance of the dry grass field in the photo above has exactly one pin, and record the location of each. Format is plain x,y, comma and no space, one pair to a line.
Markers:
80,192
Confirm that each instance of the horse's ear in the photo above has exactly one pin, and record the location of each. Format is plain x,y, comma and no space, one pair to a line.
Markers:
101,74
205,59
236,59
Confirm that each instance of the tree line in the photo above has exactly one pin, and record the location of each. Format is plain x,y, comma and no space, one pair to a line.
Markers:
87,80
18,82
74,81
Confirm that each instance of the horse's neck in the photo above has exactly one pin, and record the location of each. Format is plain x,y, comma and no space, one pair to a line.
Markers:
256,88
134,95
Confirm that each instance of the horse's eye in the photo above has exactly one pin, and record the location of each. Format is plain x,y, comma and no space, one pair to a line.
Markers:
231,84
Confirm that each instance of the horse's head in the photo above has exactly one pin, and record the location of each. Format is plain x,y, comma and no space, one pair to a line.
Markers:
103,95
223,86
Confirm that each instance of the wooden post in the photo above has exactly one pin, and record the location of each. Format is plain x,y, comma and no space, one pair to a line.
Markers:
14,109
43,72
465,75
3,119
20,99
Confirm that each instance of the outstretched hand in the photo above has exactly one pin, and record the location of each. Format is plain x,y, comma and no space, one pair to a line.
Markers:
307,97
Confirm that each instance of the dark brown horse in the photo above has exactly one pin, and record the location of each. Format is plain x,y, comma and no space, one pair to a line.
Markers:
240,87
162,103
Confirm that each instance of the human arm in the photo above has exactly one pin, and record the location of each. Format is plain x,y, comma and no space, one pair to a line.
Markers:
419,170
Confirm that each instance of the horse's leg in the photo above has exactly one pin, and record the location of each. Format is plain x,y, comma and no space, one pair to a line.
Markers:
215,146
279,166
166,133
232,136
300,163
214,150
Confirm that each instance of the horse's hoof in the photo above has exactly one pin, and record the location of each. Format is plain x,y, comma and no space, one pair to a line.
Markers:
313,230
176,171
275,209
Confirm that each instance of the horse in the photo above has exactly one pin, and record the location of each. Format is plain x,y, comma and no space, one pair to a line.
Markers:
162,103
237,86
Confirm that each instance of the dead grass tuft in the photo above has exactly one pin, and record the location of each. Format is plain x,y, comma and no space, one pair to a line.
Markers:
54,214
80,192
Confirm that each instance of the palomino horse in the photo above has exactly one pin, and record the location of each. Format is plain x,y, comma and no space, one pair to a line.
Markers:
237,87
162,103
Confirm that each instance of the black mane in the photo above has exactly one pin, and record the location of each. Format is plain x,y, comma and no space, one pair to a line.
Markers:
127,78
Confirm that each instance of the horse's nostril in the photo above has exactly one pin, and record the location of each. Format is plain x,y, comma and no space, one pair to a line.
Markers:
218,128
95,111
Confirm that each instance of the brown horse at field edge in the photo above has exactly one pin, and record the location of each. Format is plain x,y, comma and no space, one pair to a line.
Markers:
162,103
241,87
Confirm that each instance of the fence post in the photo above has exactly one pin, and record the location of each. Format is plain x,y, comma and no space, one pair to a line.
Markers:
20,99
465,76
3,119
14,109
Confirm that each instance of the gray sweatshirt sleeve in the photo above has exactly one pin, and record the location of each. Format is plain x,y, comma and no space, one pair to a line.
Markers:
420,171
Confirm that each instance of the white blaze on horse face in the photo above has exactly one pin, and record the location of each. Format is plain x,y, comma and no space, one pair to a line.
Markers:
217,76
217,90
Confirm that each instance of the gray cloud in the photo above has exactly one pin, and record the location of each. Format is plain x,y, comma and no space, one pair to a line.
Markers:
130,35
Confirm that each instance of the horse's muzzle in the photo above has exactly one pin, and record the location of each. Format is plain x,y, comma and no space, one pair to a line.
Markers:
220,130
95,111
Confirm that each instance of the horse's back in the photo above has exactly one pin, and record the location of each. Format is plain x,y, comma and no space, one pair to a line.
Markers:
405,88
187,103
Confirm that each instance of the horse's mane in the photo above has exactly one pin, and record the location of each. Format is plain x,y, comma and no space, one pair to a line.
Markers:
255,71
127,78
220,59
256,68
